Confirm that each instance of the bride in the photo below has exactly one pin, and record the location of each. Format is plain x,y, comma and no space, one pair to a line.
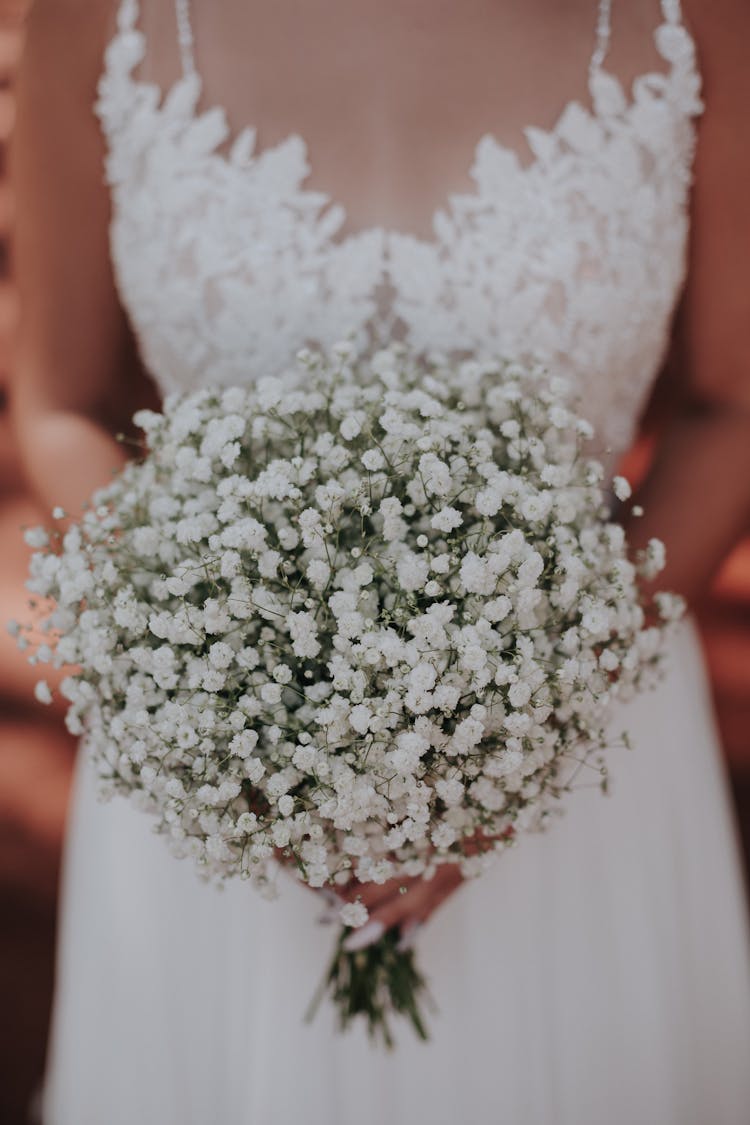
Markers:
395,185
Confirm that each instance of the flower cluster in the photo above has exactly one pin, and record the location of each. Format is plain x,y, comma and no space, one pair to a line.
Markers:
370,615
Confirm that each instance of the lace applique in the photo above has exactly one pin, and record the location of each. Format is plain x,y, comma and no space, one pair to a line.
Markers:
228,264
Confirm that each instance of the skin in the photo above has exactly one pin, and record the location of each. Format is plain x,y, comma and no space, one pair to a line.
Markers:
76,380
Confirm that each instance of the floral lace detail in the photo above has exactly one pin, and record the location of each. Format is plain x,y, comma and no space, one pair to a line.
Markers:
228,263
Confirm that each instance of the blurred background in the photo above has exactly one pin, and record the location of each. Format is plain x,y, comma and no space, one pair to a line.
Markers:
36,755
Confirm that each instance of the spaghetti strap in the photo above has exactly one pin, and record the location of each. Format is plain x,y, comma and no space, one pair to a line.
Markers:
185,36
603,35
128,14
671,11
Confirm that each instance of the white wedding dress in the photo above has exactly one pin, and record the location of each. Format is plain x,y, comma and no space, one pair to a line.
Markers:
599,973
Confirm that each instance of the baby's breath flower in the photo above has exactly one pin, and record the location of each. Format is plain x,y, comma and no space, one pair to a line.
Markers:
286,805
36,537
354,914
42,692
621,488
357,607
373,460
447,519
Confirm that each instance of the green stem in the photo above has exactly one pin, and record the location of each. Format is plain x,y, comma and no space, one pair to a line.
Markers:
375,983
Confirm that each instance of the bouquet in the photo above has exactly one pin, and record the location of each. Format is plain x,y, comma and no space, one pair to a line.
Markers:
357,620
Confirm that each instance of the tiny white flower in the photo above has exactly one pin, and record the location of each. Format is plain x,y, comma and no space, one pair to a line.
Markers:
447,519
220,655
655,558
354,914
303,632
350,428
609,661
671,607
286,805
476,575
373,459
621,488
42,692
441,564
519,694
360,717
596,620
270,693
412,571
318,573
243,743
36,537
254,770
497,609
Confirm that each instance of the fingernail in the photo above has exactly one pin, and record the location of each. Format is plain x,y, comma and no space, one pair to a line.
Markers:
408,937
359,939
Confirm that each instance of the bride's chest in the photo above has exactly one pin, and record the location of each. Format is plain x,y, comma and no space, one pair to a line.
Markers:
228,261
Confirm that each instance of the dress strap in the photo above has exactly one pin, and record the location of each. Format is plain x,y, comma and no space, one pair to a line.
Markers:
671,11
603,35
185,36
128,13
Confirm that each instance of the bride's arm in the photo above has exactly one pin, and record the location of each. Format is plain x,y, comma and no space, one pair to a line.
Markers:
68,380
697,496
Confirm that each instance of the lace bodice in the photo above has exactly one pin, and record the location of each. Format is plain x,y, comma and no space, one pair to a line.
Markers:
227,263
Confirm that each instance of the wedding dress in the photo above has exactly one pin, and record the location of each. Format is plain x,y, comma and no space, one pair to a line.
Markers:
599,972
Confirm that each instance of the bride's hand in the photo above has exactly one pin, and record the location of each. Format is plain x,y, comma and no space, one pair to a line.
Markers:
405,903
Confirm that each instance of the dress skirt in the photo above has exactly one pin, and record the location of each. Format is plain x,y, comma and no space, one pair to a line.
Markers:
598,974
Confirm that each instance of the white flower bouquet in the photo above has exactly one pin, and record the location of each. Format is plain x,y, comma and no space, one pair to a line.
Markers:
358,620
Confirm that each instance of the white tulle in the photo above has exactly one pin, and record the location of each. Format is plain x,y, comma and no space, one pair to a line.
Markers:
599,973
